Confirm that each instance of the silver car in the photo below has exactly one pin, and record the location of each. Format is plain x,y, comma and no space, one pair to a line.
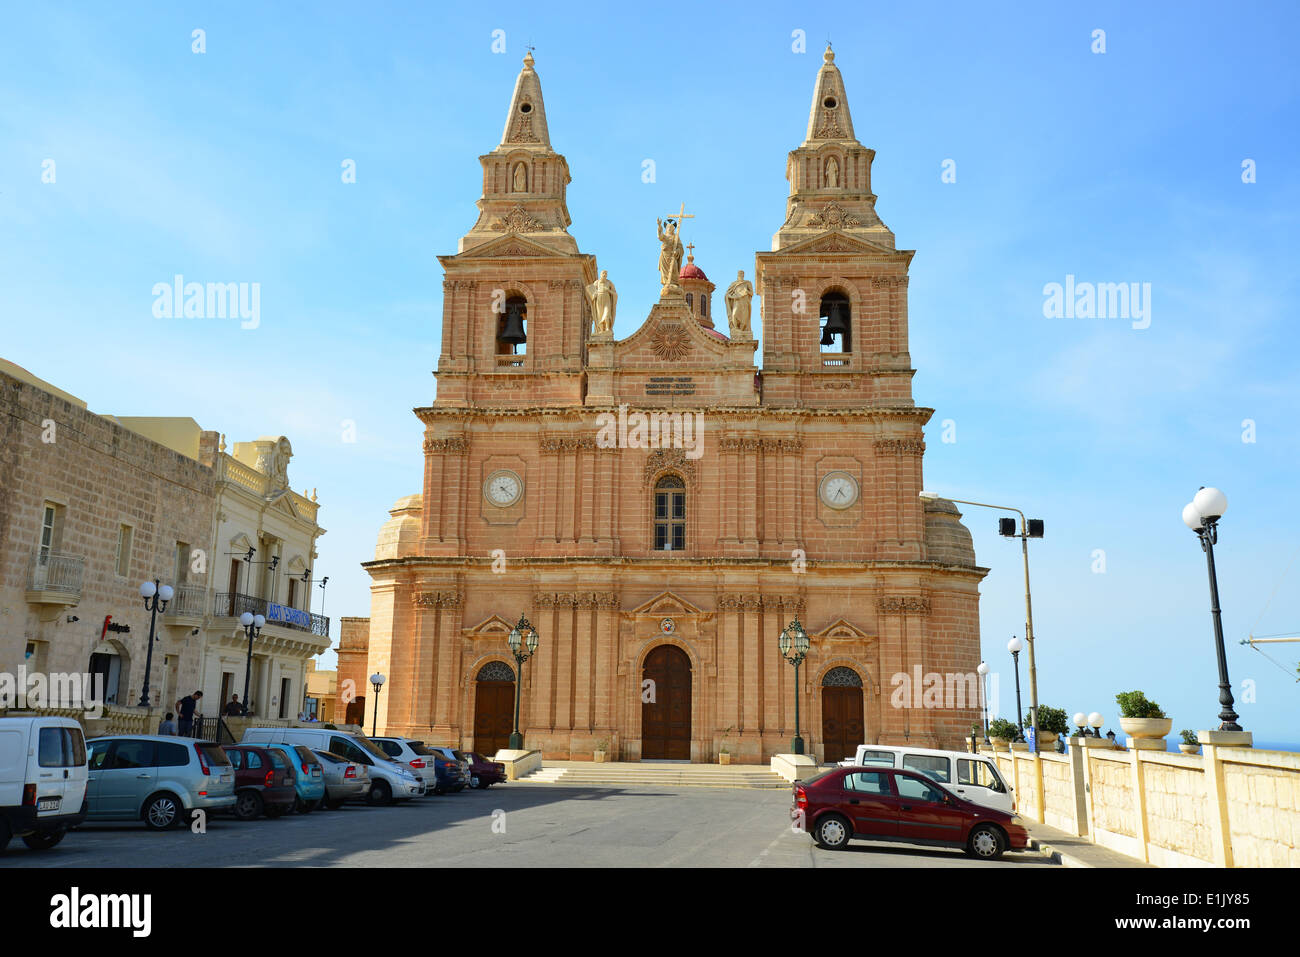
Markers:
344,780
159,779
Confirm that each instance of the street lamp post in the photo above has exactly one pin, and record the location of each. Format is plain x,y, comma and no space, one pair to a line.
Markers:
983,671
1081,719
156,596
1014,646
794,648
1096,721
523,641
1029,528
1202,516
252,627
377,681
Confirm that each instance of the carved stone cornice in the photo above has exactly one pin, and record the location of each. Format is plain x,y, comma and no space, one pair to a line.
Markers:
899,447
834,216
576,599
748,443
518,220
754,601
903,605
674,459
460,283
454,444
565,443
437,599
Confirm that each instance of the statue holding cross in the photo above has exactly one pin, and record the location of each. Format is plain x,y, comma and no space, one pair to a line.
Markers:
670,251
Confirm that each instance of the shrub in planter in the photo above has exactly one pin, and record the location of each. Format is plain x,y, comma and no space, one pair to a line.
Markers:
1189,737
1050,719
1003,729
1134,704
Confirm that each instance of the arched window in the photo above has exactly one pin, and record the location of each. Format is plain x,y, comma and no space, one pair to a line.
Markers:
842,678
836,323
511,335
670,514
690,301
496,671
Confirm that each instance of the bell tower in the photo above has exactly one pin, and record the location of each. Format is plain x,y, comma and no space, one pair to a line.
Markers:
515,317
834,287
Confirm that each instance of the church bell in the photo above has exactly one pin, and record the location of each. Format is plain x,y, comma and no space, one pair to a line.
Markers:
513,331
835,325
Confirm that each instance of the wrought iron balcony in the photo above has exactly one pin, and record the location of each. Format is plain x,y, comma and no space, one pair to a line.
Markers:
233,604
187,602
54,578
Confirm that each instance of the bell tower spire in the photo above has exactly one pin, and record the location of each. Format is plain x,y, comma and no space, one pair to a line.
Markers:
524,179
829,117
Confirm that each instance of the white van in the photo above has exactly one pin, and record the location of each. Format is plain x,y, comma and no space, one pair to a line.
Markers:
974,777
389,780
43,778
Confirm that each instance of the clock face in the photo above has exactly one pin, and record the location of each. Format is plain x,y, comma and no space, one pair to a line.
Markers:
503,488
838,490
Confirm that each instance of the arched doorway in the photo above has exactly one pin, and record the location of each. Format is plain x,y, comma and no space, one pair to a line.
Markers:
110,669
494,708
666,705
842,725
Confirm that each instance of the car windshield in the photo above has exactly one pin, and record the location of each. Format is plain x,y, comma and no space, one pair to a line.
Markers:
419,747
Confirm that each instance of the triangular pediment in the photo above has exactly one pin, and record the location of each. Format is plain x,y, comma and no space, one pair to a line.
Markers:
666,604
511,245
283,504
494,626
670,335
838,241
842,630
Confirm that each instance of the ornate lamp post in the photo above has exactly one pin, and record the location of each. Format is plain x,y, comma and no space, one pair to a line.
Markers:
377,682
523,645
1014,646
252,627
1202,516
156,596
795,639
983,672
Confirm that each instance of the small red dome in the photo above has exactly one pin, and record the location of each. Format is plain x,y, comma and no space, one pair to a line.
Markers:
692,271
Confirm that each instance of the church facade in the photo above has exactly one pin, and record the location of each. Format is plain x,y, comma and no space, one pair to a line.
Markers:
658,507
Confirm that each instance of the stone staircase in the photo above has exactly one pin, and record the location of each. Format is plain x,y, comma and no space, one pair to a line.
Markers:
639,774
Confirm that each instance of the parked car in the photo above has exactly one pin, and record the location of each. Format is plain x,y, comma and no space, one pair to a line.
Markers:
484,773
461,762
390,780
413,754
309,776
160,779
264,781
888,804
974,777
43,779
344,780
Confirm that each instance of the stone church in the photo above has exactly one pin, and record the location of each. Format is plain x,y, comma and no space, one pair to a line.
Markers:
661,507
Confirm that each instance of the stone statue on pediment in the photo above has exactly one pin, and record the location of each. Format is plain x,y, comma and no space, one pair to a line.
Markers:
603,299
738,297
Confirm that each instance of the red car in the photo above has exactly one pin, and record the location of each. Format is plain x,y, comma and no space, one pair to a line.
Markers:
264,782
890,804
484,773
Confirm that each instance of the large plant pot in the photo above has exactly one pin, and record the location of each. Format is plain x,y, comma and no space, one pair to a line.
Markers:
999,744
724,757
1046,740
598,757
1189,748
1146,727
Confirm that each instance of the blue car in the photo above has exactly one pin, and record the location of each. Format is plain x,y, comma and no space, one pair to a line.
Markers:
309,775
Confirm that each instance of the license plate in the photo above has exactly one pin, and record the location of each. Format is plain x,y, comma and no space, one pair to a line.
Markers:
49,804
225,779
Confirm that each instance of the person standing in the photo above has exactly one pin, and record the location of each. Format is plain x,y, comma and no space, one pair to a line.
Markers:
188,704
234,709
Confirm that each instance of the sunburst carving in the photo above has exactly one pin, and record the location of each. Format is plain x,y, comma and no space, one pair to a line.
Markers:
670,341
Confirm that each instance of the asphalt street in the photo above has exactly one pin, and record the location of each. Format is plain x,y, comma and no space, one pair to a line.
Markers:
513,825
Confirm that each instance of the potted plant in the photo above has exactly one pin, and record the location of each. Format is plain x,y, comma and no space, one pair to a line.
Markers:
1190,744
1140,717
1052,723
724,749
599,754
1002,732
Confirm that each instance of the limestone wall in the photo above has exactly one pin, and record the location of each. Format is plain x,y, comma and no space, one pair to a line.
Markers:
1263,801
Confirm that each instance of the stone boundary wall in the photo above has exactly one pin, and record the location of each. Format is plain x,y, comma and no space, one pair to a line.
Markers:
1225,807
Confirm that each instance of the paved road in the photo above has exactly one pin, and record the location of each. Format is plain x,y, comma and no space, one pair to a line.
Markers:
516,825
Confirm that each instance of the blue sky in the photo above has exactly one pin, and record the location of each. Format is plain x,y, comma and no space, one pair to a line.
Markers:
1117,167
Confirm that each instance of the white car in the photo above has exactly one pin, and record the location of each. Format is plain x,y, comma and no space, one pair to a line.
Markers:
389,780
971,776
413,754
43,778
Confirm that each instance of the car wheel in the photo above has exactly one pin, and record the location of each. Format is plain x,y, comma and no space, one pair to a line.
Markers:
335,804
986,842
380,793
248,806
306,807
162,811
44,840
832,832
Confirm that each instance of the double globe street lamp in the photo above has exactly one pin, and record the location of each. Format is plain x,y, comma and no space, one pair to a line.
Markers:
983,672
156,596
794,646
377,682
1014,646
1202,516
252,627
523,640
